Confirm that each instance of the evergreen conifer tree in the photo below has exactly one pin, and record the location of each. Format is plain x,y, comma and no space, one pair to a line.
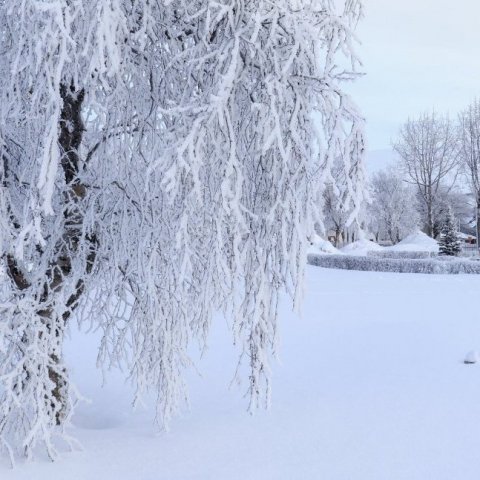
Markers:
449,242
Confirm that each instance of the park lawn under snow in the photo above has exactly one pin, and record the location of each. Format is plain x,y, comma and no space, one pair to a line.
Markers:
371,386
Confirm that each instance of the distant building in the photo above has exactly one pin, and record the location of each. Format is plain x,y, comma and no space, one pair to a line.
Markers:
467,239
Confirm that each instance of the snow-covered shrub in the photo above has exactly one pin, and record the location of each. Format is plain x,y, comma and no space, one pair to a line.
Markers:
370,264
412,255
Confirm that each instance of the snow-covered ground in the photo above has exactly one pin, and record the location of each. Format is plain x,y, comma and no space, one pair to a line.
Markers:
371,386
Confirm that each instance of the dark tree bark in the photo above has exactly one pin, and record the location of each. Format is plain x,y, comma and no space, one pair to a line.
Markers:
71,130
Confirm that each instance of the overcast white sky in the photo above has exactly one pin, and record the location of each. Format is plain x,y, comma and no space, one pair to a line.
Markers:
418,55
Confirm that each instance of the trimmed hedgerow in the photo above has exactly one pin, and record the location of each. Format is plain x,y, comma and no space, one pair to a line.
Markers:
371,264
401,255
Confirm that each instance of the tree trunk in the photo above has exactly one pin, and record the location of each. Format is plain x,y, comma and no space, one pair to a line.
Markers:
70,139
337,237
478,219
430,223
60,263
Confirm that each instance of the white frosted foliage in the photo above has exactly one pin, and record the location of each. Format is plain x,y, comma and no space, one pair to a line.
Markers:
162,161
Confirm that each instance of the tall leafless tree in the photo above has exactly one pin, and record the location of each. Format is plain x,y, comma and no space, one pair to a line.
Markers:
469,138
393,208
428,148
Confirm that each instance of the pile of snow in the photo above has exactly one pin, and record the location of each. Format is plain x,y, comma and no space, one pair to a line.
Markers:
361,248
416,242
321,246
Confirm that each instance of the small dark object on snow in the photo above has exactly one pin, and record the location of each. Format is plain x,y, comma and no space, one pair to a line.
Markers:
471,358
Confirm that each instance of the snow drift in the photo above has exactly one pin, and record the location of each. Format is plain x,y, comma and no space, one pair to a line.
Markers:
361,248
320,245
417,242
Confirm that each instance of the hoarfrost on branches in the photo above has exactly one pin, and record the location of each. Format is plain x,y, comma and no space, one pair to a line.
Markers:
428,148
160,161
393,209
469,126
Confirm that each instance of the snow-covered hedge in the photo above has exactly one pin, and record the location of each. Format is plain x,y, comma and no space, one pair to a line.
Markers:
371,264
401,255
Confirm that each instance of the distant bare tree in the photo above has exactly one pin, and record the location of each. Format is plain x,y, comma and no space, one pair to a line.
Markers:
335,214
469,134
341,211
429,150
393,210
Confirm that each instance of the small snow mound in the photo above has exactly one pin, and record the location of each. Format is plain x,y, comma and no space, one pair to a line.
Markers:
361,248
417,241
319,245
472,357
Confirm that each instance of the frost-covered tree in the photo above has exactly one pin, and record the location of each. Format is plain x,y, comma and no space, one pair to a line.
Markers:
336,210
393,206
160,161
469,123
429,152
341,212
449,242
335,214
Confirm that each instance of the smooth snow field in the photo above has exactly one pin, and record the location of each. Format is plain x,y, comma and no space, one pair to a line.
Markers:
371,385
